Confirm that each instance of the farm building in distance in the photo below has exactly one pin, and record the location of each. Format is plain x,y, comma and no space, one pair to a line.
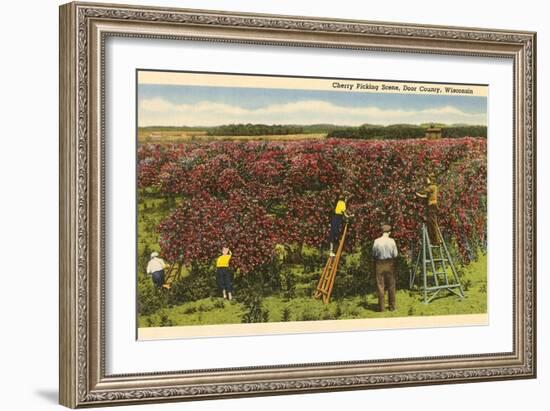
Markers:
433,133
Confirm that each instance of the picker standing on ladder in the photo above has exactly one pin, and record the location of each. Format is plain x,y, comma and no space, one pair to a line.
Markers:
431,193
337,221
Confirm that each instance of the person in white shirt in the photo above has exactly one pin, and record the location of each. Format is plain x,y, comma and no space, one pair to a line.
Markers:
156,267
385,252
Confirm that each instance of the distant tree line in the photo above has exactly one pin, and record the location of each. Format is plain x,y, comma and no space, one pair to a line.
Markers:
363,132
464,131
396,132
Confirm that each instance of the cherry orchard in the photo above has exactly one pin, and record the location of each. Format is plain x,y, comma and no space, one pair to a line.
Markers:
254,195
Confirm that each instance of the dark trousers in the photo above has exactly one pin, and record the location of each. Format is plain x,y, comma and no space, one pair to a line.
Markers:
431,222
385,280
224,278
158,278
336,223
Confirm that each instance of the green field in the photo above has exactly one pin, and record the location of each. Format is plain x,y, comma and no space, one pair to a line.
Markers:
200,136
177,306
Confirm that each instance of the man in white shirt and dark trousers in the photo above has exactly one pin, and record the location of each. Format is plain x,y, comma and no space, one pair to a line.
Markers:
384,252
155,267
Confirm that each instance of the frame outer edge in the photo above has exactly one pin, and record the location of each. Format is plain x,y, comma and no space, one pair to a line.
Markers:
535,199
68,350
76,297
533,188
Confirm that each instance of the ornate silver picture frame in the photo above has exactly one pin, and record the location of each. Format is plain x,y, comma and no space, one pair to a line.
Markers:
84,30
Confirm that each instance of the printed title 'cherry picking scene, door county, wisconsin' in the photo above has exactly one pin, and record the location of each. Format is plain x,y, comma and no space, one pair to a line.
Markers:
272,204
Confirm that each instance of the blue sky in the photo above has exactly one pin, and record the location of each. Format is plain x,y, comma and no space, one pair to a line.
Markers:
176,105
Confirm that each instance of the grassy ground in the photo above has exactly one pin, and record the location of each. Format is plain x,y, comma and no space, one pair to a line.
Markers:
409,303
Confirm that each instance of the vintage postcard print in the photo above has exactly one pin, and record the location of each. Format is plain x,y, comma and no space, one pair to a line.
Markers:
272,204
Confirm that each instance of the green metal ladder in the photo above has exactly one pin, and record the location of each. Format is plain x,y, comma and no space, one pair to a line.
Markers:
435,277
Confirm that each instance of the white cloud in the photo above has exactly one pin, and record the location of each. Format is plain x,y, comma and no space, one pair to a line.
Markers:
157,111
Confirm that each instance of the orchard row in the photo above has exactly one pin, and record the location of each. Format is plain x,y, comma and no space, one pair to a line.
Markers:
254,195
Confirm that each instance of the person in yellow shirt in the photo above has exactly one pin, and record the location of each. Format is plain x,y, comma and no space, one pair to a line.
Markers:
224,276
337,220
431,194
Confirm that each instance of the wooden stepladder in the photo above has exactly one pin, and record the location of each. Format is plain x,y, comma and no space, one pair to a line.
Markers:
435,263
173,273
326,282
